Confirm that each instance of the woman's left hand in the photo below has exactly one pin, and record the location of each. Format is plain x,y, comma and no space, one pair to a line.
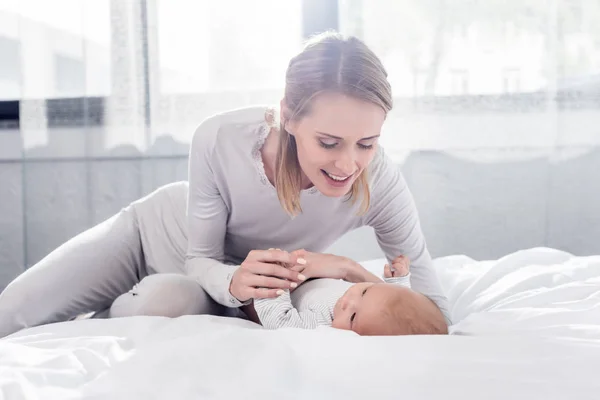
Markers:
319,265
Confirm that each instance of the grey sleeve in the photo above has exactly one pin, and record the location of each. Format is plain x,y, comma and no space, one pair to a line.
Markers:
399,280
279,312
207,220
395,219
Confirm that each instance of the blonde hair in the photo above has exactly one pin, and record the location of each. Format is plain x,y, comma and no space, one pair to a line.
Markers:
329,62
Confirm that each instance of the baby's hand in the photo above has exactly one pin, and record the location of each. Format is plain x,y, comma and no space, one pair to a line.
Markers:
400,267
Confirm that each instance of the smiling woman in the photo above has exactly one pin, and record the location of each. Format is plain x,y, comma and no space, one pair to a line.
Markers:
336,90
347,128
335,141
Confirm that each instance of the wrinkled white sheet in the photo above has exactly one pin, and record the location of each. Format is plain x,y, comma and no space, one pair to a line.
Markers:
527,326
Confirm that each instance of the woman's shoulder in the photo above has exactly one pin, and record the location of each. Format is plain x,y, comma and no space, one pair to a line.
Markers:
385,177
388,188
382,167
234,121
244,115
239,128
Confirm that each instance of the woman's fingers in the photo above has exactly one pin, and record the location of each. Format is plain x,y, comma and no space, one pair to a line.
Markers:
266,273
263,293
273,255
300,253
268,282
276,256
298,268
297,257
274,270
301,257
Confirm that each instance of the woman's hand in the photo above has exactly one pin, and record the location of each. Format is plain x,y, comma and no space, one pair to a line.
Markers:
319,265
263,274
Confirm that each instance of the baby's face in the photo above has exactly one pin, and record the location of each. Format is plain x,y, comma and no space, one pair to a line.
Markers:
360,308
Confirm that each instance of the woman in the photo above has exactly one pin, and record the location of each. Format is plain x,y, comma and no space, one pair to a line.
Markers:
253,185
301,183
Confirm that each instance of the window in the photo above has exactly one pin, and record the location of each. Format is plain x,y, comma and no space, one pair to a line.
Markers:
511,80
481,66
501,117
460,31
420,82
52,46
106,95
10,67
225,51
459,82
222,60
69,76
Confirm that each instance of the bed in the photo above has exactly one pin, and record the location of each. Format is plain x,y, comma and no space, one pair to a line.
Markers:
526,326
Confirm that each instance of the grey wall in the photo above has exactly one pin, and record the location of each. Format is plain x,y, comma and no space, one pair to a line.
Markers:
53,191
482,210
487,210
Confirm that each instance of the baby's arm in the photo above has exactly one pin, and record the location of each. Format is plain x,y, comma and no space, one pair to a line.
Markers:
398,273
279,312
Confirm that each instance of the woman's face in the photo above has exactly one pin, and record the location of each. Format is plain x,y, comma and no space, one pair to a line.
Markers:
336,141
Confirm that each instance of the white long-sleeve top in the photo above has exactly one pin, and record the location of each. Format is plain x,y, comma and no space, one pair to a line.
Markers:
309,306
233,209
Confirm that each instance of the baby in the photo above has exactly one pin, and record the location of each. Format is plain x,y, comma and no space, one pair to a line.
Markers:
365,308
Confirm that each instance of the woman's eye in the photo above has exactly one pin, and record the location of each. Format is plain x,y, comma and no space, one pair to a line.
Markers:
327,145
365,146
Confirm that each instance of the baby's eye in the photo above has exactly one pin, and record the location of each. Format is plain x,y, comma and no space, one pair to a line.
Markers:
364,291
352,317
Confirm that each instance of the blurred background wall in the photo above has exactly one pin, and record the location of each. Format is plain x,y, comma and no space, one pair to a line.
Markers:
496,124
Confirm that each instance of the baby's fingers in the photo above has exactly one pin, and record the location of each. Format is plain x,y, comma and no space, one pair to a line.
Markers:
387,271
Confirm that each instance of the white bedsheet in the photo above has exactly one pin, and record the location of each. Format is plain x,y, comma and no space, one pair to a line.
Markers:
527,326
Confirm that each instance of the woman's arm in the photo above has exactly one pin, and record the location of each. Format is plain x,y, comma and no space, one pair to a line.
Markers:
394,217
207,214
356,273
321,265
207,219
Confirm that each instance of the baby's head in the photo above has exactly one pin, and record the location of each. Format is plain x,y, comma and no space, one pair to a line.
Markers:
387,309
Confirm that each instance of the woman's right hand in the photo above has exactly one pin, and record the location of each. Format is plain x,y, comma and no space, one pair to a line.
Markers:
263,274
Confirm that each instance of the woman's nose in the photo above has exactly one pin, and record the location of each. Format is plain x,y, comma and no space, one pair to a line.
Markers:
346,163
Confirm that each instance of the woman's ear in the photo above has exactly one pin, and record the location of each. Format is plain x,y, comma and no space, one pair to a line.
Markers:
284,116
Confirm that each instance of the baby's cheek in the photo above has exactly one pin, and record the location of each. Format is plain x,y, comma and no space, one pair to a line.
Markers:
338,323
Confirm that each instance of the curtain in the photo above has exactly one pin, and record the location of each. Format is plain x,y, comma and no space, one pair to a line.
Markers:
496,123
497,118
